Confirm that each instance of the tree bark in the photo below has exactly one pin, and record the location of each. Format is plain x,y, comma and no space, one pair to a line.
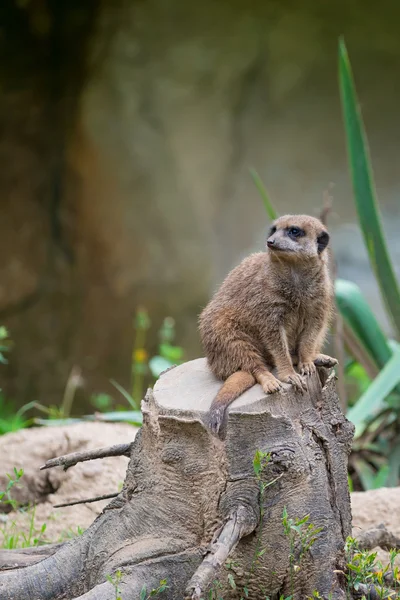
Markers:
190,501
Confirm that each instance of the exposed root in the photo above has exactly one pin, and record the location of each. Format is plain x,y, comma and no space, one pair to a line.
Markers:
241,523
52,577
22,557
379,536
70,460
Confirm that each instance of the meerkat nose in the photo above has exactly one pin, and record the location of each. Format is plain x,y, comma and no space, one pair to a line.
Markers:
270,243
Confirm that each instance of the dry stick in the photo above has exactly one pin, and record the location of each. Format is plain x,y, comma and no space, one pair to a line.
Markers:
70,460
241,523
96,499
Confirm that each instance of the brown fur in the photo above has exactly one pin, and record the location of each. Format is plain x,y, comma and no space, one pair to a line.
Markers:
273,310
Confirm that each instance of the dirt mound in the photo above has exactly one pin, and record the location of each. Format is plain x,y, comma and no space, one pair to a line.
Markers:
375,507
30,448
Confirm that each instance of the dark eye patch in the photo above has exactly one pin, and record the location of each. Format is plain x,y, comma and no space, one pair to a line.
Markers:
272,230
295,232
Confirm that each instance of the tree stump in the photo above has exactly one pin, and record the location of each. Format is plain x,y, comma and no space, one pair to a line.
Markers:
190,501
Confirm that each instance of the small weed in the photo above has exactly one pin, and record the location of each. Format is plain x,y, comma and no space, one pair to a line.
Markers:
5,496
260,463
302,535
363,569
115,581
144,595
13,537
70,533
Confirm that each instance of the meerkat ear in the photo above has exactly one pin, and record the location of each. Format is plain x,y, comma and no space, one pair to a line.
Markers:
322,241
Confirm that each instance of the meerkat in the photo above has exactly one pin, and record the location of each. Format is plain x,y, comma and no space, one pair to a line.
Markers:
272,311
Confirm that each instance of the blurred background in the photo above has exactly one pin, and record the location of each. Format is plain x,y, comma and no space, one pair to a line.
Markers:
129,128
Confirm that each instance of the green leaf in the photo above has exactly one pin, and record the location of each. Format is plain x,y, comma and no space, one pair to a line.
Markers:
359,317
232,582
350,483
271,212
373,401
370,480
364,190
257,462
381,477
394,466
170,352
158,364
124,393
134,417
143,592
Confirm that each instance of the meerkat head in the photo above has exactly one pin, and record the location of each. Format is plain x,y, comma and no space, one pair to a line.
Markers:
295,237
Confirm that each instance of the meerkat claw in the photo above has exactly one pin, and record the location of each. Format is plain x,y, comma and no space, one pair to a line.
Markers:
270,384
307,368
296,380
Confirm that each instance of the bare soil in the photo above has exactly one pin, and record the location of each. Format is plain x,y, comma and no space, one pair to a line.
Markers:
30,448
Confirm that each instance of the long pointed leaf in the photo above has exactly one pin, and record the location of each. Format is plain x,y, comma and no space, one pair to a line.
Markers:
373,400
360,318
364,190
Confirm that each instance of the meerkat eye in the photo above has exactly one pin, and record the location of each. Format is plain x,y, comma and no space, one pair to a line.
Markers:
272,230
295,232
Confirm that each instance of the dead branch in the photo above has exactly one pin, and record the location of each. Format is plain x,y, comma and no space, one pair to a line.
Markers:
241,523
95,499
70,460
379,536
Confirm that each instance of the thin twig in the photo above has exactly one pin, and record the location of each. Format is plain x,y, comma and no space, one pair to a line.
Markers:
70,460
241,523
96,499
326,206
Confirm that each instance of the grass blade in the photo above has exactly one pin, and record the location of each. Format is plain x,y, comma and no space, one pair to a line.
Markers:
271,212
364,190
124,393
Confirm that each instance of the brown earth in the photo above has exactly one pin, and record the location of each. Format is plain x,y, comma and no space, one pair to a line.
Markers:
30,448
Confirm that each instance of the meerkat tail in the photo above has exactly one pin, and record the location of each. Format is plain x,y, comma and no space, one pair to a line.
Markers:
232,388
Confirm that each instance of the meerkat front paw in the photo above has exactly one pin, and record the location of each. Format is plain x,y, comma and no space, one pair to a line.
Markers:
295,379
307,368
269,383
323,360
